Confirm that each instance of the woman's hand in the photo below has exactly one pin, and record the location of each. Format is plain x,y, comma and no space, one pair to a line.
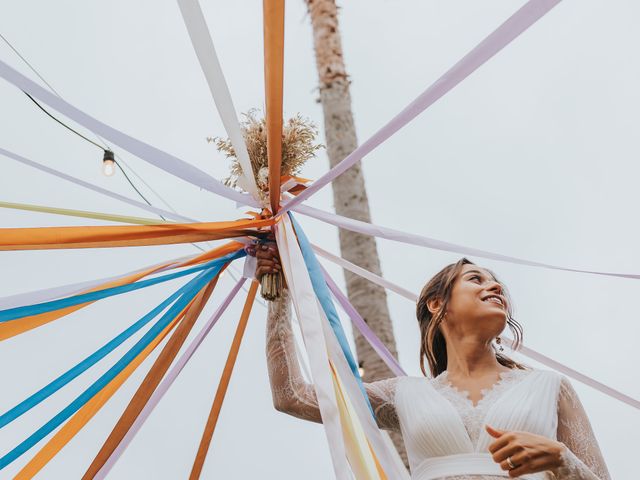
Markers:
267,256
530,453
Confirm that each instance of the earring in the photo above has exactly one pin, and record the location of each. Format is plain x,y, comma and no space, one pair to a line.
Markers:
499,342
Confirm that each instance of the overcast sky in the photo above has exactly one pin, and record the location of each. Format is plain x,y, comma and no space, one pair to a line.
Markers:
535,156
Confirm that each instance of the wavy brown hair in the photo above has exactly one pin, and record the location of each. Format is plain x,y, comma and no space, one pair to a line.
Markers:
433,345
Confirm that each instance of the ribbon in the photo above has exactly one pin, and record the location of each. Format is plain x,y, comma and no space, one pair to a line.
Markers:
39,296
372,277
366,331
167,382
419,240
526,16
11,328
324,296
273,24
361,457
570,372
20,312
125,236
163,160
151,380
195,285
95,188
359,417
86,413
92,359
309,312
81,213
206,53
87,363
223,385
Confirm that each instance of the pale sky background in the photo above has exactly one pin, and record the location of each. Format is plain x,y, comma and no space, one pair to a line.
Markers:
535,156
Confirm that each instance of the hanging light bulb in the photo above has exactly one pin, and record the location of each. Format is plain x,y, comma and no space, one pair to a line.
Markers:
108,163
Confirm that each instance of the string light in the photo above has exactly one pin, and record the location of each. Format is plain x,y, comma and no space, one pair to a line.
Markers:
108,163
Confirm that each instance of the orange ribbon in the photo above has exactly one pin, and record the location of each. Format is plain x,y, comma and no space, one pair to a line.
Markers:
273,20
125,236
210,426
150,382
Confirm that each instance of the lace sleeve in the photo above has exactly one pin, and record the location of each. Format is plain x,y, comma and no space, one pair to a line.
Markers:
291,393
582,457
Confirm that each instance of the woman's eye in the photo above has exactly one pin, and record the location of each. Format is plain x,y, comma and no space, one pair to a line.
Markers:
477,277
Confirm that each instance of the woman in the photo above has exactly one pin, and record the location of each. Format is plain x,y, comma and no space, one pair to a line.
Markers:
482,416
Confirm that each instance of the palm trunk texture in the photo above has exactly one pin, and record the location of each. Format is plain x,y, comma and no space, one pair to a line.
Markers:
349,193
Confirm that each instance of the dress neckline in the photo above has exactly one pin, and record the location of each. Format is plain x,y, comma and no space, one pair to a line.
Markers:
505,380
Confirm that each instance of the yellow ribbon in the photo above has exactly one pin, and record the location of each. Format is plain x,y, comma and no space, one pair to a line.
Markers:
83,214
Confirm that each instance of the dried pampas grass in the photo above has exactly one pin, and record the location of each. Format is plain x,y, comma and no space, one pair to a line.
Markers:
298,146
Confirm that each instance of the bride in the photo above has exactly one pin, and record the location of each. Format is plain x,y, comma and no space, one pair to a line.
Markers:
482,416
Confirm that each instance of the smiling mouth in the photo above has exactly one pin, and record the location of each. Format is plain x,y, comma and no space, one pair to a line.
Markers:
494,299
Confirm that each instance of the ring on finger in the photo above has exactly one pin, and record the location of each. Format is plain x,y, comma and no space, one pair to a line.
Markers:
510,463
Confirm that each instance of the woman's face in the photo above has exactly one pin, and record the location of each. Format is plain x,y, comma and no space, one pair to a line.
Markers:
477,304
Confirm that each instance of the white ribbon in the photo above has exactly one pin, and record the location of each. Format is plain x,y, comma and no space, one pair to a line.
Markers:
371,430
206,53
309,315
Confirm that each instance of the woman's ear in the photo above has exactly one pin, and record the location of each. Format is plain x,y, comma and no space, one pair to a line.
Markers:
434,305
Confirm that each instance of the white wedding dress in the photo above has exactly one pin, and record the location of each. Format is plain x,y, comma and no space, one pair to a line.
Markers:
442,429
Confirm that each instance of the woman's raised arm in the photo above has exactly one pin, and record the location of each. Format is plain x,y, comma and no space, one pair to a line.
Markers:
291,393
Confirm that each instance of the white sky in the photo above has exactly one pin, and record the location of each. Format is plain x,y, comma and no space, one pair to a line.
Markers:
535,155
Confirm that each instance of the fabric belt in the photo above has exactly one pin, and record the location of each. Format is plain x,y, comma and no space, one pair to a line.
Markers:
464,464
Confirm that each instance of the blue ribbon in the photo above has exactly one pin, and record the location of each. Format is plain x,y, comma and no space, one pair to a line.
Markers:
38,308
95,357
192,288
324,295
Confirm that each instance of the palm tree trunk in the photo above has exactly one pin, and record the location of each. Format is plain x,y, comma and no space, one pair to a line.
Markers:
349,193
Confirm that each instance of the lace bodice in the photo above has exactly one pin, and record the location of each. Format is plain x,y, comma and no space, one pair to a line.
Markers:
473,415
293,395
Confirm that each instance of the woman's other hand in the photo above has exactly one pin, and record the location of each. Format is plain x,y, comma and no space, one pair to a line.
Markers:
530,453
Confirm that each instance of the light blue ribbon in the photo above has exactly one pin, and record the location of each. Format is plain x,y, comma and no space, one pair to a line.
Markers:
95,357
192,288
38,308
324,295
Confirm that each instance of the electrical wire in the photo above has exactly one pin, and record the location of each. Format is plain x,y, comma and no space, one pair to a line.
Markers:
104,147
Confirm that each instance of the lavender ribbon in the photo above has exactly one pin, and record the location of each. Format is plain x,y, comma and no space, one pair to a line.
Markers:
366,331
531,12
163,160
95,188
422,241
